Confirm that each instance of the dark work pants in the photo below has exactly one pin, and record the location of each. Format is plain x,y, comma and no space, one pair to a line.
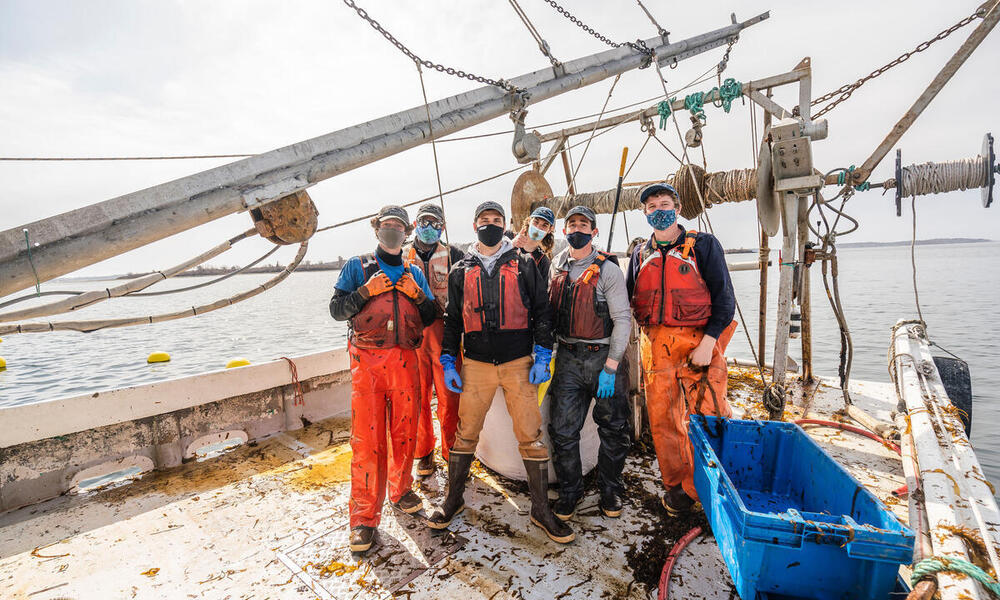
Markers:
574,385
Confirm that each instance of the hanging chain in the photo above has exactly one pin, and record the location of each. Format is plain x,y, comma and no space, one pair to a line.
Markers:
638,45
725,57
500,83
844,92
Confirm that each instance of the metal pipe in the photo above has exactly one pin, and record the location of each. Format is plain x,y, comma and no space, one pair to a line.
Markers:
805,303
789,221
88,235
939,81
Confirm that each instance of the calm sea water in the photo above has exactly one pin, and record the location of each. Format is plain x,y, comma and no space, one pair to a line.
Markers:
959,285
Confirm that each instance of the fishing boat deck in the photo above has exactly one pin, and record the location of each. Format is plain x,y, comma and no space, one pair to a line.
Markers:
269,520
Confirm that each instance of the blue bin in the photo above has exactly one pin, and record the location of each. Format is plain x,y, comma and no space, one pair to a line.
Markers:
790,521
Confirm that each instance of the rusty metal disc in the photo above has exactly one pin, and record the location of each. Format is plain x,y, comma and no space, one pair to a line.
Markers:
768,205
288,220
528,192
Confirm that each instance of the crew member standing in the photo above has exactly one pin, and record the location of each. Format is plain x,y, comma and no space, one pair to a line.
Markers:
387,304
592,321
683,300
436,258
499,313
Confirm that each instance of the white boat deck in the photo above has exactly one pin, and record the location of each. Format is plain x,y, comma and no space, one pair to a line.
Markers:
270,521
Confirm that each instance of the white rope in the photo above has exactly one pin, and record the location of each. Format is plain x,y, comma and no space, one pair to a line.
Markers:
135,285
937,178
97,324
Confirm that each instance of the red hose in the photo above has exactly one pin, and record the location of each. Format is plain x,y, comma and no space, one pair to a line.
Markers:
668,565
852,429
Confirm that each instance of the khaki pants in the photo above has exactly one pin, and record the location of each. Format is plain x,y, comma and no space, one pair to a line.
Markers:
479,383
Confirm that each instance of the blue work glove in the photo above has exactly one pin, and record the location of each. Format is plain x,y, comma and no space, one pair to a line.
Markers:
605,384
452,380
540,370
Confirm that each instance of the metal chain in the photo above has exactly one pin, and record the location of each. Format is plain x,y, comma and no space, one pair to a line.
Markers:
500,83
638,45
844,92
725,57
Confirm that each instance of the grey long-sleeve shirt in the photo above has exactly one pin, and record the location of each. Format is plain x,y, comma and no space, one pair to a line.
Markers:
611,289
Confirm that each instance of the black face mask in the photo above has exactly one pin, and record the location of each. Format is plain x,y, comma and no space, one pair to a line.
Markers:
489,235
578,239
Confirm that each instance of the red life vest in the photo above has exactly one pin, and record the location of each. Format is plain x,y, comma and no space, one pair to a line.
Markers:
494,302
387,320
578,312
669,289
435,270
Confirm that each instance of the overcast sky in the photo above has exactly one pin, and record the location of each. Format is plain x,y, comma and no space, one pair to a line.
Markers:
132,77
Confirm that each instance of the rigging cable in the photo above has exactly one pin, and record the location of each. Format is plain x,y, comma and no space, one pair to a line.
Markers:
687,160
663,32
542,44
430,132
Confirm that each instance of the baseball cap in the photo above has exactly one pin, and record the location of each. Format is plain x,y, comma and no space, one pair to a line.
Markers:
490,205
584,211
544,212
431,210
656,188
393,212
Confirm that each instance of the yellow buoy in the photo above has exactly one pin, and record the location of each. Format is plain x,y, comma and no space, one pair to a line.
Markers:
3,364
158,357
237,362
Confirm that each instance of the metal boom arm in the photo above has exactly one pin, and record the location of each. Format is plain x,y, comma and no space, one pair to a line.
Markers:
88,235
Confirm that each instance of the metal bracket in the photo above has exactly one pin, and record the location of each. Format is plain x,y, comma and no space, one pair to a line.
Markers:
526,146
257,196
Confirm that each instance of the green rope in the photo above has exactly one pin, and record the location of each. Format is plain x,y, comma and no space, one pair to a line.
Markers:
695,103
940,564
730,90
664,109
842,178
27,243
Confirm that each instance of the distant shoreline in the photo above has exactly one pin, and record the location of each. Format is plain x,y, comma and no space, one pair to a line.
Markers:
338,264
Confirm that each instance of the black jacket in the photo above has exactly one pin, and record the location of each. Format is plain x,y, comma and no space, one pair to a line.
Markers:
498,346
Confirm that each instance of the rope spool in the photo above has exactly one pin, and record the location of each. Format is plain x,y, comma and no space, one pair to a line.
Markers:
938,178
689,181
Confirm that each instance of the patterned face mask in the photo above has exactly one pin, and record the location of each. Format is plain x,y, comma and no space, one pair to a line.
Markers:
428,234
535,233
662,219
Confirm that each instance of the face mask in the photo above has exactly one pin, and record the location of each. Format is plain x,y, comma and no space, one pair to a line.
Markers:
489,235
428,234
391,238
578,239
535,233
661,219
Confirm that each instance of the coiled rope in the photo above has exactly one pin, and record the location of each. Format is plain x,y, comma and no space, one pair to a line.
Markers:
937,178
940,564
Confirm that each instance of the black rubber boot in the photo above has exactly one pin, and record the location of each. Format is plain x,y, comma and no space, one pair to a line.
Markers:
454,502
565,508
541,513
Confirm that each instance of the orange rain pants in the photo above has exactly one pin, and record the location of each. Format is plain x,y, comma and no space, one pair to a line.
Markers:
675,389
431,381
384,409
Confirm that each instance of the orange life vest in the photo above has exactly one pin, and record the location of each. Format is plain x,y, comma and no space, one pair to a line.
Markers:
387,320
494,302
577,311
435,270
669,289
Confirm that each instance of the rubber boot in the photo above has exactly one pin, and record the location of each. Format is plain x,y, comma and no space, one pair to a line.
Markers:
454,502
541,513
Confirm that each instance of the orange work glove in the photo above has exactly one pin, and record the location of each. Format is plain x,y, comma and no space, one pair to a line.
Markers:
379,283
408,286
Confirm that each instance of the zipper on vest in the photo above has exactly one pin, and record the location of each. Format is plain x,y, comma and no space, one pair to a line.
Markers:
395,315
503,297
663,285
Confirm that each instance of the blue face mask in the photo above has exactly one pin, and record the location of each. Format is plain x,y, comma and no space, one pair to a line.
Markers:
535,233
428,234
662,219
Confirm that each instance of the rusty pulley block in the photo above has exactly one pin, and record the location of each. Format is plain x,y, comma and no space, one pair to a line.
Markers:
288,220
